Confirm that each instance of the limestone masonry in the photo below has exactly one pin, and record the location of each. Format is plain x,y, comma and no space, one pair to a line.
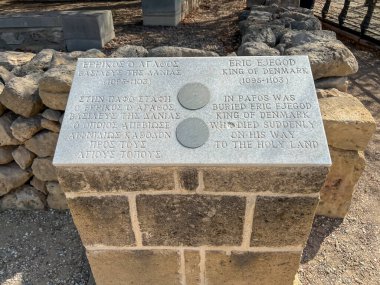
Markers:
215,160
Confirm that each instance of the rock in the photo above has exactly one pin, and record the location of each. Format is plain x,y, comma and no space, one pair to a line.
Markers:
38,184
340,83
169,51
6,154
21,96
23,157
6,136
11,59
43,169
52,115
310,24
39,63
2,107
42,144
327,59
25,128
130,51
24,198
256,49
62,58
54,87
5,75
91,53
296,38
348,124
326,93
50,125
11,177
264,35
56,198
336,193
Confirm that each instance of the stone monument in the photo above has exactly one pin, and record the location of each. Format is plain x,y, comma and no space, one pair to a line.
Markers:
193,170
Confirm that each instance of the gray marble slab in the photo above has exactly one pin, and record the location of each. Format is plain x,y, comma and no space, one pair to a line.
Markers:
259,111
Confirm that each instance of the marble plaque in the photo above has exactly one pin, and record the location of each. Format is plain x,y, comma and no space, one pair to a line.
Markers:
193,111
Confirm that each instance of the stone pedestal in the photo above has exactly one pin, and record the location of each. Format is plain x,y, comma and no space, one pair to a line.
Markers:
193,170
166,12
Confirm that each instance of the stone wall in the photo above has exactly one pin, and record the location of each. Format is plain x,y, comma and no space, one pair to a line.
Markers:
34,91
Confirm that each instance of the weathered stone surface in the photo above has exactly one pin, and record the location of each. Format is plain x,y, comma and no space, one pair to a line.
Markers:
91,53
24,198
63,58
116,179
282,221
296,38
331,58
130,51
348,124
50,125
23,157
192,267
21,96
272,179
39,63
169,51
56,198
311,24
5,75
103,220
251,268
191,220
43,144
6,136
43,169
25,128
264,35
339,83
54,87
140,267
188,178
11,59
38,184
52,115
336,193
327,93
11,177
6,154
256,49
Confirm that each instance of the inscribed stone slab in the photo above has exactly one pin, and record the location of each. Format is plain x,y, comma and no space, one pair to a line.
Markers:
260,111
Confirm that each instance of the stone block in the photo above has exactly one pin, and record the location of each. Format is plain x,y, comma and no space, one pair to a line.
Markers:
11,177
336,193
24,198
6,136
43,169
191,220
6,154
265,179
106,179
54,87
192,267
162,13
23,157
282,221
42,144
21,96
348,124
158,267
251,268
56,198
188,178
103,220
84,30
25,128
11,59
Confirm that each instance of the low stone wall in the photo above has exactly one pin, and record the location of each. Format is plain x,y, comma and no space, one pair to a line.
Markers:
34,91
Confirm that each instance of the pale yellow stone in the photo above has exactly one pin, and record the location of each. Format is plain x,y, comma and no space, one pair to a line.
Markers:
348,124
336,194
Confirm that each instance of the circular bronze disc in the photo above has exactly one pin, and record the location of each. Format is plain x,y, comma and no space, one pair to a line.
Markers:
194,96
192,133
